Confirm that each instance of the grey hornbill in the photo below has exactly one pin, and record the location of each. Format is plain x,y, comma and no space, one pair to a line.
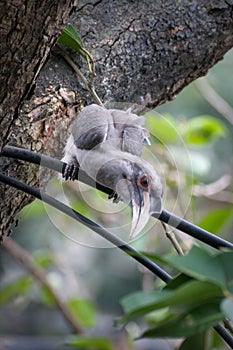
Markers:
107,145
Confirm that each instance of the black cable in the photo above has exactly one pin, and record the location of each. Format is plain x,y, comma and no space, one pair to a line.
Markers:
224,335
50,163
158,271
154,268
194,231
165,216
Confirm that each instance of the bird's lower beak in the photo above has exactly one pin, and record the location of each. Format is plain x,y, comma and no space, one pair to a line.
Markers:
140,213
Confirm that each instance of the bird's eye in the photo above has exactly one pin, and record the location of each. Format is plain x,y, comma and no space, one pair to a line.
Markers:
144,181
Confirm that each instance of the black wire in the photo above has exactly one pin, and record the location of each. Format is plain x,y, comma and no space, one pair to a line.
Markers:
50,163
154,268
165,216
224,335
194,231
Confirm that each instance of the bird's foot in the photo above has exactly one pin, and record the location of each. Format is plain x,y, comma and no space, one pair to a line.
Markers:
70,172
114,196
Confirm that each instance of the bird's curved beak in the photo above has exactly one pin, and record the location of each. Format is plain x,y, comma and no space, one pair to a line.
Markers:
143,205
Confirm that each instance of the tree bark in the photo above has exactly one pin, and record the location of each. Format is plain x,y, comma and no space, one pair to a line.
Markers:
28,31
153,46
140,47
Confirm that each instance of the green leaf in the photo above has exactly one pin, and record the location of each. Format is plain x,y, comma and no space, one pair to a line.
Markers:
70,37
43,258
84,311
142,302
178,281
35,209
198,264
162,127
92,343
138,301
216,219
72,30
195,321
14,289
194,342
227,308
158,316
201,265
225,259
47,298
203,129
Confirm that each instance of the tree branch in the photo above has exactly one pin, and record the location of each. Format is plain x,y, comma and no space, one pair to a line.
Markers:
152,46
215,99
172,237
24,258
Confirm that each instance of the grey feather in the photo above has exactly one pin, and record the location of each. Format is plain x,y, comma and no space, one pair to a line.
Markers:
95,124
90,127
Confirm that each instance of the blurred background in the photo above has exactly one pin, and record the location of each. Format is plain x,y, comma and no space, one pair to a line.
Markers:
191,146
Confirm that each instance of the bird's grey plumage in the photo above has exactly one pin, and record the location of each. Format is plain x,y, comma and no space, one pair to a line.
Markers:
106,144
96,124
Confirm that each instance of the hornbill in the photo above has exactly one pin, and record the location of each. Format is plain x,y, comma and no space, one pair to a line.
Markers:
107,145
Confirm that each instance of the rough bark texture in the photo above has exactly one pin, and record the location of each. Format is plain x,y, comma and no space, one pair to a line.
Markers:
28,30
139,47
154,46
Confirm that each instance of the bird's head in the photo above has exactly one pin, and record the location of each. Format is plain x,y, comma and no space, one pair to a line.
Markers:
137,184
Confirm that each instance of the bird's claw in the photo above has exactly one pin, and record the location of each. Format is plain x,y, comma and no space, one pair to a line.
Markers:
114,196
70,172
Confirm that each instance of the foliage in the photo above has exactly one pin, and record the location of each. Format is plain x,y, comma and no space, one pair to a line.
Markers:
163,127
196,131
215,219
197,341
92,343
71,38
198,298
84,311
186,141
15,288
203,129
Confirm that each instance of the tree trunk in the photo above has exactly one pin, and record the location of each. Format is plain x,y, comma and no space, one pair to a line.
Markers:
153,46
28,30
139,47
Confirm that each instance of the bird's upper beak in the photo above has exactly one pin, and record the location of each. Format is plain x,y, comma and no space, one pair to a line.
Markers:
143,205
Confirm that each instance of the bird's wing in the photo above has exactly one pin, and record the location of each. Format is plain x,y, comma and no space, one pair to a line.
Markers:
123,130
126,118
133,140
129,128
91,127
